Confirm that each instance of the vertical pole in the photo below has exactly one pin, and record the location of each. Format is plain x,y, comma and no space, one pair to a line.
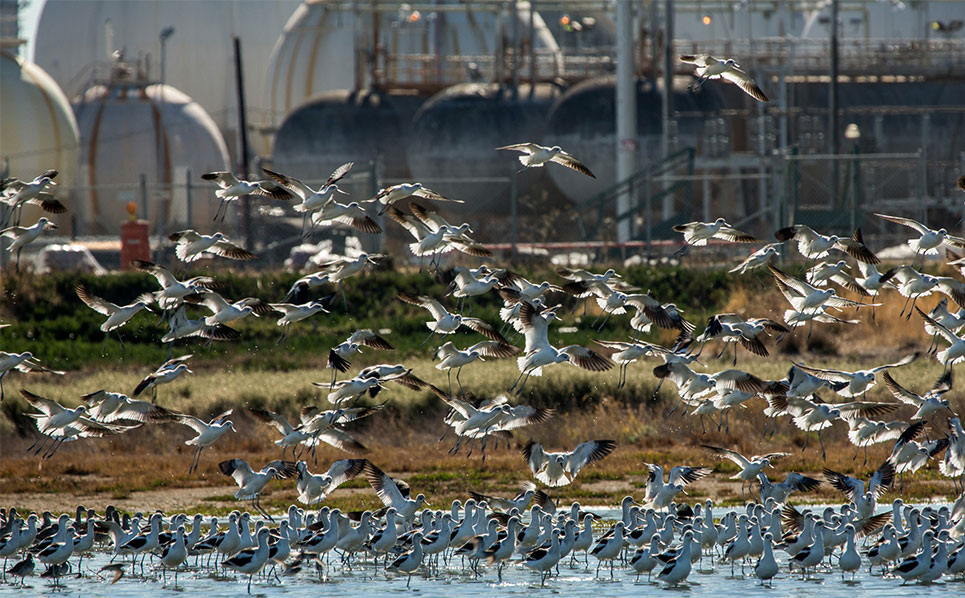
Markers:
513,214
855,180
143,193
648,207
374,186
668,70
532,49
921,187
654,45
833,103
626,125
187,196
706,203
925,135
668,124
516,42
242,170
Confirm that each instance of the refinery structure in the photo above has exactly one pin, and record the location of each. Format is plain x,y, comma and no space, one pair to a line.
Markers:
133,100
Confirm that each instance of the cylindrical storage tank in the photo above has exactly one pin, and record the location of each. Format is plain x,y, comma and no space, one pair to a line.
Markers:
456,132
38,132
583,122
130,128
75,39
327,46
338,127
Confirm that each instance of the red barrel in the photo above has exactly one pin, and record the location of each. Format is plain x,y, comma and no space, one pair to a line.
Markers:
134,243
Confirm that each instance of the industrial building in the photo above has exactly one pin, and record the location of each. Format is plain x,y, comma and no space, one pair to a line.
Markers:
132,101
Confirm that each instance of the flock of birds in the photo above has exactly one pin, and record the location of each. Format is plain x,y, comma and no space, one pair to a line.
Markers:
655,534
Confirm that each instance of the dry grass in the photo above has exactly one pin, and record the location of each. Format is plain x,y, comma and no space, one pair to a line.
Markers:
147,468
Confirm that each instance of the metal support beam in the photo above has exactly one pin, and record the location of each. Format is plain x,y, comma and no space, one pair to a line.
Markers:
247,228
626,125
833,136
668,72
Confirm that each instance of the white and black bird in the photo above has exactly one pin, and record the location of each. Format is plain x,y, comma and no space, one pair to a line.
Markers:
864,497
709,67
927,405
168,372
699,233
793,482
443,322
21,236
313,489
251,560
21,362
334,271
117,315
539,353
339,354
390,494
661,494
208,432
390,195
929,239
15,193
173,291
231,188
560,468
535,156
251,483
857,382
813,245
312,200
190,246
749,468
451,358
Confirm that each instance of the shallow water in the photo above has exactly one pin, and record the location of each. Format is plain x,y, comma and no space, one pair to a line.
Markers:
517,581
575,581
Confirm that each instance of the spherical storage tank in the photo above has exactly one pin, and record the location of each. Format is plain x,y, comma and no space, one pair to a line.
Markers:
129,127
338,127
327,46
75,38
455,134
37,130
583,122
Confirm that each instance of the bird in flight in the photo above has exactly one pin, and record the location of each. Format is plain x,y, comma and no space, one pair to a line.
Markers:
534,156
709,67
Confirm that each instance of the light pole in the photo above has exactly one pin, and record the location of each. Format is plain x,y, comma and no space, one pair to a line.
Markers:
165,34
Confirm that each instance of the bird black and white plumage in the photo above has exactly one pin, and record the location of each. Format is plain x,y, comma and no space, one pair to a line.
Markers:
390,195
107,407
444,322
192,245
793,482
698,233
535,156
812,244
560,468
231,187
878,484
927,404
117,315
251,483
167,372
313,489
709,67
391,493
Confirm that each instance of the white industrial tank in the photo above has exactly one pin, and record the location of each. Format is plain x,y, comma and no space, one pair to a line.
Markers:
38,130
328,46
130,127
75,39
